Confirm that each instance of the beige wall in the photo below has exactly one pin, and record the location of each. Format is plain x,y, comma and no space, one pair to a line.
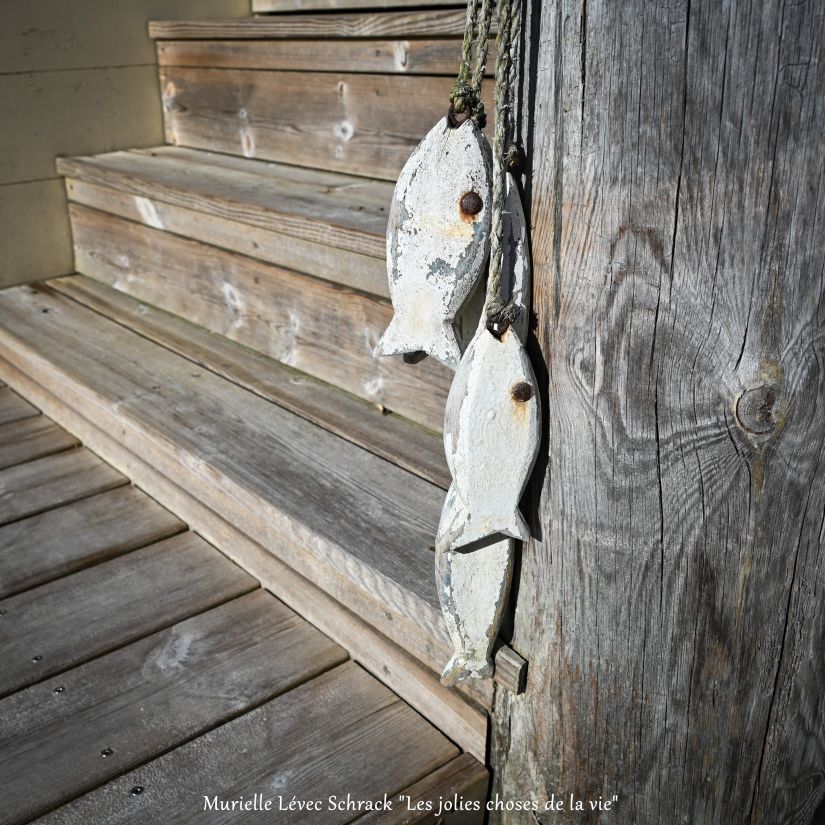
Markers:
76,77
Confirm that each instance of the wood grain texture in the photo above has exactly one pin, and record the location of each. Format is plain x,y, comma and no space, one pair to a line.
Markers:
30,438
672,612
406,662
76,618
13,407
408,56
464,778
343,732
151,696
403,443
310,325
266,6
53,481
361,124
356,525
61,541
351,269
435,22
323,207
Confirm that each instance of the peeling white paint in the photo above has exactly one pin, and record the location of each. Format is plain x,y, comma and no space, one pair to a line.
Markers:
148,213
234,303
343,130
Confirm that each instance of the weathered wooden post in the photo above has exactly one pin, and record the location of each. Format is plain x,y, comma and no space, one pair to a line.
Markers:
673,609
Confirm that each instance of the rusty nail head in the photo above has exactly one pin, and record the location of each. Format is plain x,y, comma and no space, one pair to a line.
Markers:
521,391
471,203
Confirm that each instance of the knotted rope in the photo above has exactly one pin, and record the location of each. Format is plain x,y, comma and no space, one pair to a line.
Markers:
466,92
498,310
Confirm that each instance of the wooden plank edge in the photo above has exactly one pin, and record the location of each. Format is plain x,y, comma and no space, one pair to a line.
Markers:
464,723
88,293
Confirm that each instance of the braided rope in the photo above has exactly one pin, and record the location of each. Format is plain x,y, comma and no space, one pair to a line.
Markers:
497,309
462,92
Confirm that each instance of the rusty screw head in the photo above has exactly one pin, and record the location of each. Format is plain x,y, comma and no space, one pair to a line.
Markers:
471,203
521,391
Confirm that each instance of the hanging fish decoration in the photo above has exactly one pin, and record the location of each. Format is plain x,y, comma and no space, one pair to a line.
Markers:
492,431
438,239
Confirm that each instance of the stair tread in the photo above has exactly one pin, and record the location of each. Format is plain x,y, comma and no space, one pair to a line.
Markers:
326,207
438,22
400,441
279,6
354,524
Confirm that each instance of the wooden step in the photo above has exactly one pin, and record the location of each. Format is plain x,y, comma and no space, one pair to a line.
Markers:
30,438
326,224
269,6
334,26
387,435
353,525
199,657
314,326
13,407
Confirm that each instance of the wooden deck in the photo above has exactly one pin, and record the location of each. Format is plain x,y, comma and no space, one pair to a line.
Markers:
144,672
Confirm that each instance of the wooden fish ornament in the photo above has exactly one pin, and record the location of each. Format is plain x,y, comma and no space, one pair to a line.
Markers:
438,239
492,432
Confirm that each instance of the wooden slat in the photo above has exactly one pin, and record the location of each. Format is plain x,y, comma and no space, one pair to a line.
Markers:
76,618
311,325
416,449
192,676
31,438
53,481
13,407
343,732
435,23
354,524
432,56
61,541
362,124
351,269
463,777
323,207
414,679
266,6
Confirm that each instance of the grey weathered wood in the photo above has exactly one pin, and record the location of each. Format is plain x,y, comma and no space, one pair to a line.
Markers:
52,481
267,6
354,524
408,56
150,696
52,544
324,207
672,611
305,323
408,672
13,407
438,23
31,438
410,446
73,619
361,124
343,732
463,777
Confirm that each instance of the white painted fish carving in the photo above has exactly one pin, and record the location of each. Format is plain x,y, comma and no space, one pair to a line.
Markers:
492,432
438,239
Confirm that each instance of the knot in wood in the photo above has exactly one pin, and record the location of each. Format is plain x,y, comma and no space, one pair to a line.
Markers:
471,203
758,409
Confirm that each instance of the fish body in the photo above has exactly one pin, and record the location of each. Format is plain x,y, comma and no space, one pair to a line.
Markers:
492,433
492,430
438,239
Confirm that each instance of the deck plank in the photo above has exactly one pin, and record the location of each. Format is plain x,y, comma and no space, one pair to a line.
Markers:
13,407
53,481
342,25
64,540
151,696
308,324
342,732
31,438
402,442
74,619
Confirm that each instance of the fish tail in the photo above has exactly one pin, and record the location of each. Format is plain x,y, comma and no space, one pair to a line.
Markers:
464,666
459,529
400,338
